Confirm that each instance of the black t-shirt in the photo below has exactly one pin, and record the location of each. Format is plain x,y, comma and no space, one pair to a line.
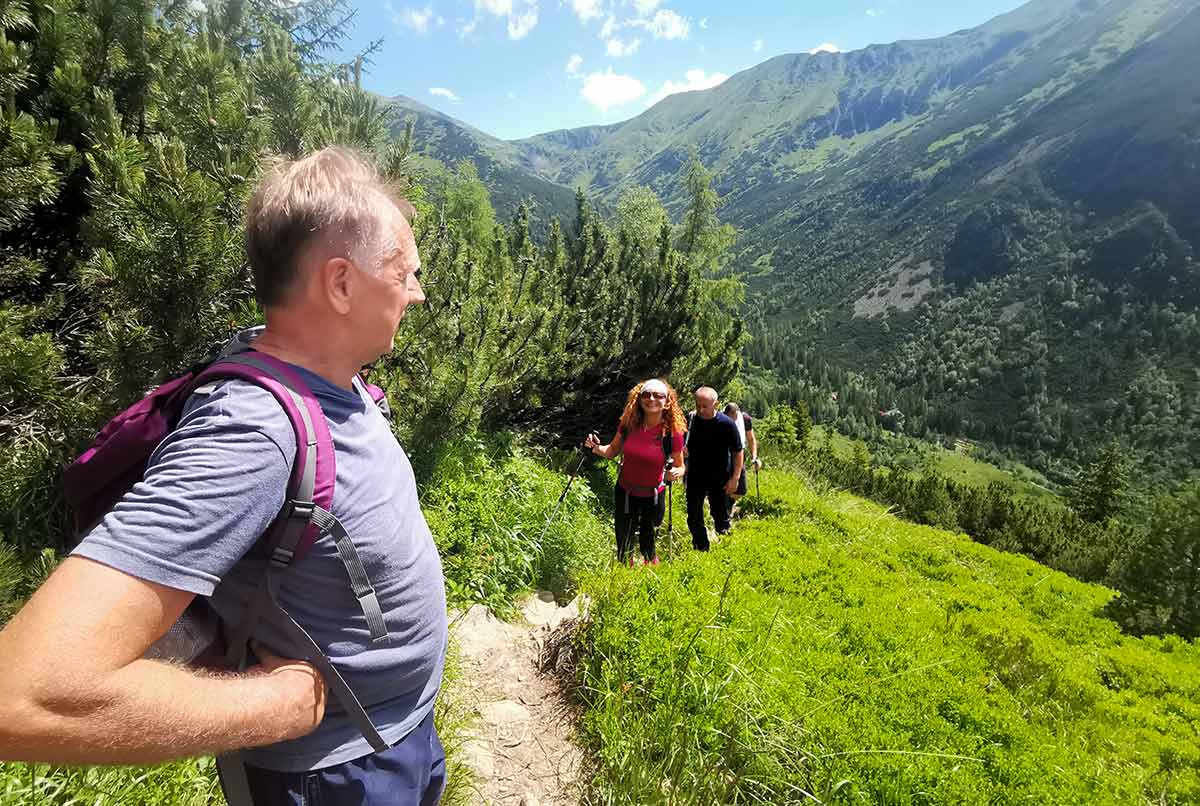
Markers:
711,445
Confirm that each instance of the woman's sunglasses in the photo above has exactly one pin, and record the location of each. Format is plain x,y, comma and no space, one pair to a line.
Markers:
655,395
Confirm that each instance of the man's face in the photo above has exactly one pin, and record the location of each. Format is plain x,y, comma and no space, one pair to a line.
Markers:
390,291
706,405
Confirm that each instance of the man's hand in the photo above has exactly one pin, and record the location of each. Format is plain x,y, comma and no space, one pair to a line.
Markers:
676,473
756,462
731,485
303,687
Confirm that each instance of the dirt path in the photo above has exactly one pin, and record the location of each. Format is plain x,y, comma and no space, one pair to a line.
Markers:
521,747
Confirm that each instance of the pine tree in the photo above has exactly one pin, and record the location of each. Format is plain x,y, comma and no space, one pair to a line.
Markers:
1099,491
804,424
1159,574
128,141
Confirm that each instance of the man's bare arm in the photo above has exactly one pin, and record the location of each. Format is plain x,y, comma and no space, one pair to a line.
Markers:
74,688
739,459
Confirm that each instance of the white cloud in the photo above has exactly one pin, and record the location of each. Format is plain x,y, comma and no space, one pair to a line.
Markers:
608,90
442,92
665,24
573,64
875,12
512,96
704,23
692,80
758,45
586,9
467,28
616,48
522,17
644,7
609,27
519,25
499,8
826,47
415,19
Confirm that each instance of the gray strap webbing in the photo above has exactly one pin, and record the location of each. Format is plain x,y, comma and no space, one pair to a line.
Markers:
384,408
235,784
241,341
333,678
359,582
361,387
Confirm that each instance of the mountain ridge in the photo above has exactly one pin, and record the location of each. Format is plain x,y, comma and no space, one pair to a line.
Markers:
1030,180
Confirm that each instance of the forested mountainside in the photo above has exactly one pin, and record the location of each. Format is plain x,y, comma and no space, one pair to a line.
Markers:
995,230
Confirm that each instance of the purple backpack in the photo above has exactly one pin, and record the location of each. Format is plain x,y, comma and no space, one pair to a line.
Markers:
117,460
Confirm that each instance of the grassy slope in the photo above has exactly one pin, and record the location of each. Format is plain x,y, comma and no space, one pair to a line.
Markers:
1024,480
834,650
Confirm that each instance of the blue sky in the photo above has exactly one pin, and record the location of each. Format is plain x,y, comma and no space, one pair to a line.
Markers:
514,68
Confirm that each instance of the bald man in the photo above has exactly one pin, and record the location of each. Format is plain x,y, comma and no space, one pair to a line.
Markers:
715,459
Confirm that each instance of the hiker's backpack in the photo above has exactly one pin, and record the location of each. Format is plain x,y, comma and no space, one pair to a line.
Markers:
117,460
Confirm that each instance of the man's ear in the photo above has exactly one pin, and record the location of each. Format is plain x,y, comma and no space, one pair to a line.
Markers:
337,278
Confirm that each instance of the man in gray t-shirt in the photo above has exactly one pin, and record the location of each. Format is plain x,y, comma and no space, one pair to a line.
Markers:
335,266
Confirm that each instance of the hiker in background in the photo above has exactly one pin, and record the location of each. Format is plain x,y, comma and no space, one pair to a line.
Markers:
335,266
650,438
715,456
745,427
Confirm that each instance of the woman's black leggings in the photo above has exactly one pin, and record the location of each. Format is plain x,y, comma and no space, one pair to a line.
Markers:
633,512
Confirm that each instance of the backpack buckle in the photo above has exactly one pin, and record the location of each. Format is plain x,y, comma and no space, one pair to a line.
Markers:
300,510
281,557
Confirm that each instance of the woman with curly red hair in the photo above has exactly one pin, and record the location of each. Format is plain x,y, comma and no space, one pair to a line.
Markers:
650,431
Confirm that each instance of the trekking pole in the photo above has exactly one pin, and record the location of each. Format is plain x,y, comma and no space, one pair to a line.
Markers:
563,497
757,484
670,509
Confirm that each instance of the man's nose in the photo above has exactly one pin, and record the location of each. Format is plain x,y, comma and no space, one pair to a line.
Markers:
416,295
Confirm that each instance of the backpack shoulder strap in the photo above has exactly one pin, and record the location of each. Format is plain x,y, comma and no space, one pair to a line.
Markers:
304,517
306,513
315,469
375,394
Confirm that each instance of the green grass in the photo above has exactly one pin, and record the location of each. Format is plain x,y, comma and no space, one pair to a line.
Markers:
964,469
1024,480
957,138
833,651
488,503
186,783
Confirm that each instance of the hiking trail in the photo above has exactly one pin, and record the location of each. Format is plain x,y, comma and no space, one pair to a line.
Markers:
520,744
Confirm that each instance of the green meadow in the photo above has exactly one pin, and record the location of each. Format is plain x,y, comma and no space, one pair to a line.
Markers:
828,652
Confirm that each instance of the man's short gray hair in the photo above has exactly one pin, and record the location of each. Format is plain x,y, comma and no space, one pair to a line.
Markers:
333,194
